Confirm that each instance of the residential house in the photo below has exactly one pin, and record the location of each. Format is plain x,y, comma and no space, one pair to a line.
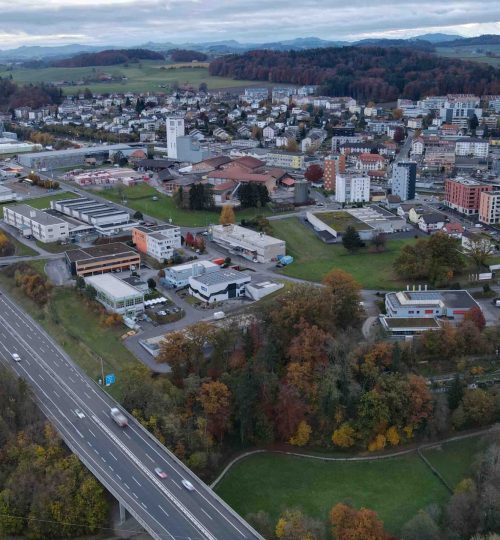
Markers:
430,222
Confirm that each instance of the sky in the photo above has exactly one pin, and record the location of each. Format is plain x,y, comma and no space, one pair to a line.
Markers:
134,22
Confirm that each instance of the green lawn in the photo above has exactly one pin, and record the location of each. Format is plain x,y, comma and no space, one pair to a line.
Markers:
78,330
396,488
21,249
44,202
314,258
140,197
147,76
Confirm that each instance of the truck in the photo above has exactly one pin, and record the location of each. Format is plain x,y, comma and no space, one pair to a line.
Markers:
118,417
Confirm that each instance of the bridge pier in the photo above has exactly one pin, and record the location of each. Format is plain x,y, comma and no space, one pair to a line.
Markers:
123,513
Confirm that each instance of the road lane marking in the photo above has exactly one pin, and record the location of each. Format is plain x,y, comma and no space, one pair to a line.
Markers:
41,376
126,485
118,476
149,457
56,394
79,433
135,495
92,433
87,395
112,470
113,456
136,481
127,435
164,511
207,514
144,506
176,483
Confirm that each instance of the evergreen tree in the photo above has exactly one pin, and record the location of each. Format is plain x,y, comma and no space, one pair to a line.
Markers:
351,240
456,393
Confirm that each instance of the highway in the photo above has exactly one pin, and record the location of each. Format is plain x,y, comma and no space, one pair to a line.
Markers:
122,459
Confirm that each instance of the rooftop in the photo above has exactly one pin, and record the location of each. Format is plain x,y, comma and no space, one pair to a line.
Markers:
112,285
36,215
102,250
238,234
221,277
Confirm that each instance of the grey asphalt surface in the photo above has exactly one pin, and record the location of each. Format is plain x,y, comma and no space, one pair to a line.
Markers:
123,459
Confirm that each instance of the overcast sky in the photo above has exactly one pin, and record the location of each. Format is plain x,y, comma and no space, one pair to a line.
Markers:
132,22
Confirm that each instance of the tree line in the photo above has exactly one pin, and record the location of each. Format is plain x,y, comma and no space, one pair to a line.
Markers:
14,95
366,73
45,492
108,58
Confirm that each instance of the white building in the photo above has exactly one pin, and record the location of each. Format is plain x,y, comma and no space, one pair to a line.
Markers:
477,148
158,242
219,286
404,178
32,222
175,128
7,194
350,189
251,245
178,276
116,295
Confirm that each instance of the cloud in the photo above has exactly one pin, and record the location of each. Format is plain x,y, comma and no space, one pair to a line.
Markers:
133,22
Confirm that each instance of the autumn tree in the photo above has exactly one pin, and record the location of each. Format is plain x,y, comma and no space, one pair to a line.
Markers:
7,248
345,297
351,524
379,241
301,436
215,398
478,249
293,524
344,436
227,216
314,173
290,411
475,314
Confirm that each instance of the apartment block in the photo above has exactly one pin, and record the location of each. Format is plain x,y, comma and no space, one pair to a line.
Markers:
158,242
463,194
489,207
351,189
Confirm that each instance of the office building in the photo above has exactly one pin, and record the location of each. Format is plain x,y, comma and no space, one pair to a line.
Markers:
251,245
178,276
116,295
103,258
218,286
175,128
352,189
158,242
36,223
404,179
463,194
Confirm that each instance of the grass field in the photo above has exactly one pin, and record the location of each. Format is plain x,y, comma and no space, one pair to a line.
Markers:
78,330
148,76
340,221
21,249
44,202
314,259
471,53
396,488
140,197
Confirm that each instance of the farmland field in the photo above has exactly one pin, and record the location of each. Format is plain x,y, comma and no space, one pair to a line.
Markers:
147,76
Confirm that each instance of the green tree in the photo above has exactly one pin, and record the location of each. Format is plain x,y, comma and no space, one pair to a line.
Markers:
456,392
351,240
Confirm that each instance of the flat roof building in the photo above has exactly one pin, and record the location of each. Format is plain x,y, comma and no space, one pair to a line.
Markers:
158,242
37,223
101,259
463,194
252,245
116,295
219,286
178,276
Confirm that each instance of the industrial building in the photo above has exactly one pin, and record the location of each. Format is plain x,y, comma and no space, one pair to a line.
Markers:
158,242
75,157
106,218
218,286
448,305
178,276
7,194
32,222
116,295
252,245
100,259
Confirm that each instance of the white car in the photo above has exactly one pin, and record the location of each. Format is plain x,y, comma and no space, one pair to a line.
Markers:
16,357
79,413
187,484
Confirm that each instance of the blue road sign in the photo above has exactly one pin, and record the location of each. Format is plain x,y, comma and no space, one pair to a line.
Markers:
110,379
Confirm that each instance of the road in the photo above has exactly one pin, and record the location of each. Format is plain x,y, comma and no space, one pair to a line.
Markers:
122,459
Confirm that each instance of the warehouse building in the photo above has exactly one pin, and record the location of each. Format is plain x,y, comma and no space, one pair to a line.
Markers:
449,305
252,245
178,276
106,218
36,223
219,286
75,157
100,259
116,295
158,242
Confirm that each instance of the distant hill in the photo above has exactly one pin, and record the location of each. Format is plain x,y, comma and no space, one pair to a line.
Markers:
415,44
486,39
437,37
185,55
108,58
368,73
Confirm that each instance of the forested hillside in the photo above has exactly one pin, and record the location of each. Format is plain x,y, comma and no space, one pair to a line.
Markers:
45,492
108,58
366,73
14,95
